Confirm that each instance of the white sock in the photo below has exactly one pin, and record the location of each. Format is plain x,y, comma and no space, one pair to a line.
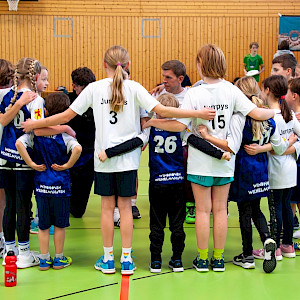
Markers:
11,246
45,256
59,255
24,248
108,253
126,254
133,202
1,235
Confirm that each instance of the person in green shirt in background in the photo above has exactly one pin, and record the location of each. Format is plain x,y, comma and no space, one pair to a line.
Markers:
253,61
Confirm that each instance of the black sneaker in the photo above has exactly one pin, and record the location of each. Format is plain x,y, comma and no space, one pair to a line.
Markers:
246,262
296,222
135,212
155,266
176,265
270,262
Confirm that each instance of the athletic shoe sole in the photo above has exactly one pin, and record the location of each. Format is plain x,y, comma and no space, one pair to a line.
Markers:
181,269
154,270
27,265
44,268
200,269
288,255
270,262
128,272
62,266
105,271
218,269
244,265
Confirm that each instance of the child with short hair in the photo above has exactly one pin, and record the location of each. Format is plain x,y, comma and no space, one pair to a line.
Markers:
210,177
284,65
253,61
52,182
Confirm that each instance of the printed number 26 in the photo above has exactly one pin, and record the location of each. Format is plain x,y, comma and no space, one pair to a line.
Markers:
220,122
168,145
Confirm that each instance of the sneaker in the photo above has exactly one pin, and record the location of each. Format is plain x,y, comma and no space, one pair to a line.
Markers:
258,254
155,266
176,265
34,227
2,247
297,245
60,263
106,267
246,262
116,217
45,264
269,263
16,251
288,251
278,254
296,222
296,234
27,261
218,265
135,212
190,213
51,230
201,265
127,267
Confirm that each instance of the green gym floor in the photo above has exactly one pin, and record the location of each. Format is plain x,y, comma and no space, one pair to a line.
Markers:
82,281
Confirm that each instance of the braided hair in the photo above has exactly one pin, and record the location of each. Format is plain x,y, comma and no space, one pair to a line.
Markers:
26,69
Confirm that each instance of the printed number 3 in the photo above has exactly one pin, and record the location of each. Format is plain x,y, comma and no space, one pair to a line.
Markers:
161,145
114,119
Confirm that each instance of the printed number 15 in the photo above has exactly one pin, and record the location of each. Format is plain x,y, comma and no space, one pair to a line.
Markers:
220,122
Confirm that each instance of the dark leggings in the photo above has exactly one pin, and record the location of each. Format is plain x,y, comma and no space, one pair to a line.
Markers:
17,203
281,214
251,210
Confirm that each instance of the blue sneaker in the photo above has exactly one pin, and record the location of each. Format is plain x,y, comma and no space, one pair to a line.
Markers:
51,230
60,263
34,227
45,264
297,245
106,267
218,265
155,266
127,267
201,265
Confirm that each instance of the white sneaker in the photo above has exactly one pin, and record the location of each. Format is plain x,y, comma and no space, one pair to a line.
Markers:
2,247
27,261
16,251
296,234
117,217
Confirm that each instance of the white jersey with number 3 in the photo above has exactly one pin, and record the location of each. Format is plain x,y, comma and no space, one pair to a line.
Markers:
225,98
114,128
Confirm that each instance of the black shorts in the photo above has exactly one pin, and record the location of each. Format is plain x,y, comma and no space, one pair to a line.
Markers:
121,184
53,211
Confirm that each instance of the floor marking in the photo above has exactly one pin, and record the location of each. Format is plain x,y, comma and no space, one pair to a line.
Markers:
87,290
124,291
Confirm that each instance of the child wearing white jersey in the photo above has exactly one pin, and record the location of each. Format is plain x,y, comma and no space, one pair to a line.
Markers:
211,177
282,169
115,102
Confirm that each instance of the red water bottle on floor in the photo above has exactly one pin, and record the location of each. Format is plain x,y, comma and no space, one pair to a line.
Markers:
10,272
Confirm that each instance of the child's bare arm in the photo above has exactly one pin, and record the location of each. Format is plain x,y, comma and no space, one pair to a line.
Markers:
53,130
71,162
24,154
9,115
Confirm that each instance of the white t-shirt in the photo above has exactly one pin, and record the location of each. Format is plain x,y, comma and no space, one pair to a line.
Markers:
179,96
283,169
225,98
115,128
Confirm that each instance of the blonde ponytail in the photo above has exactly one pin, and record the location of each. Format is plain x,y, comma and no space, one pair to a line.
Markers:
117,59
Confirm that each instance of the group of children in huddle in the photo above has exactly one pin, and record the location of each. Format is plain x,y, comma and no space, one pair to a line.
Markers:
236,148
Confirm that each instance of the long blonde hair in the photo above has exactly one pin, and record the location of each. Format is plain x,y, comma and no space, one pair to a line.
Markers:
117,58
250,88
26,68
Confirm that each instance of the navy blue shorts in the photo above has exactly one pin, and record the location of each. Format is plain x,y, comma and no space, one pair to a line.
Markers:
53,211
121,184
296,195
